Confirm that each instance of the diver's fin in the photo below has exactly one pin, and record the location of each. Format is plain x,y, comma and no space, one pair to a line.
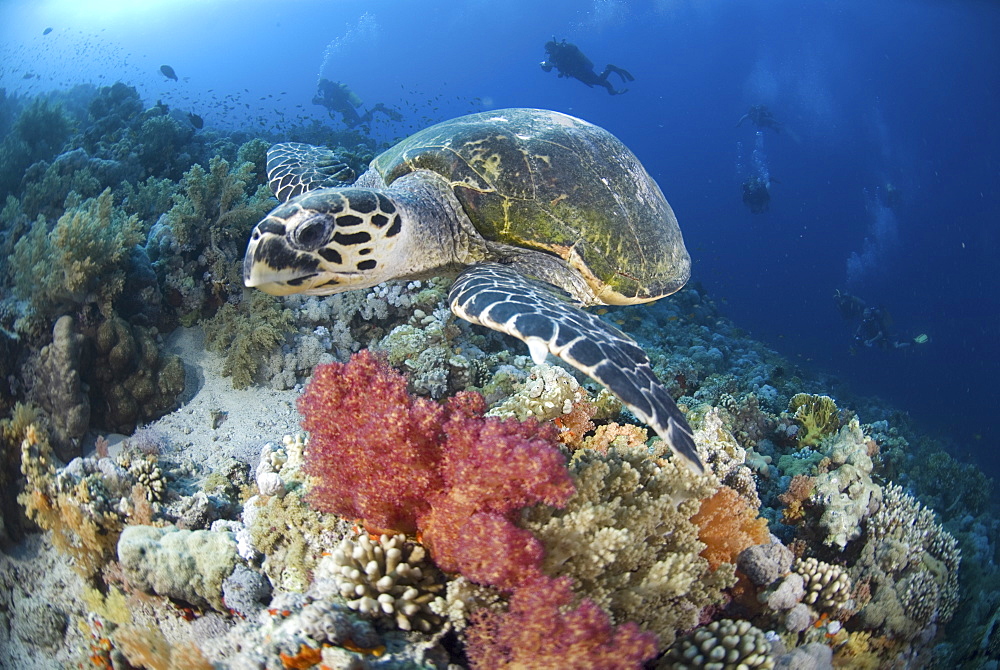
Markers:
624,74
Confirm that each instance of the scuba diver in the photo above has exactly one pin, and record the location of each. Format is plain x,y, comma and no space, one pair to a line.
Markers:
570,62
873,331
337,97
851,306
756,195
761,117
874,326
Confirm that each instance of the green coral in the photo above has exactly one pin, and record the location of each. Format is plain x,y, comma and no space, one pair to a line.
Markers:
214,207
246,333
182,564
816,415
627,540
85,254
197,247
39,133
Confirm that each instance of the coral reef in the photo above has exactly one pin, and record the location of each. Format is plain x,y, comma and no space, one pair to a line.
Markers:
540,631
456,476
721,644
189,565
386,578
412,531
627,540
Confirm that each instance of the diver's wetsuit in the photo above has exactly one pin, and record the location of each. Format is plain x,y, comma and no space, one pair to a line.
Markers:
756,195
570,62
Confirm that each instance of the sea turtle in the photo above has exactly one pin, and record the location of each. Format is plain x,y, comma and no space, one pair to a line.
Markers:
537,213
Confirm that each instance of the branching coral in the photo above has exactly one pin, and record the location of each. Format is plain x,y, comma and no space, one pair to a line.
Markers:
912,563
626,540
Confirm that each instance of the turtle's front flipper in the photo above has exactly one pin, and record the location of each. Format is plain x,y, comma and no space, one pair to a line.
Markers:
500,298
294,168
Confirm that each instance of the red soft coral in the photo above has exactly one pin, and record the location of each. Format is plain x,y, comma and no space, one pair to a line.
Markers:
542,631
374,448
407,464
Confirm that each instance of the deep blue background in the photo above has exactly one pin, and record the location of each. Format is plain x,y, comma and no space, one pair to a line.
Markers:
896,92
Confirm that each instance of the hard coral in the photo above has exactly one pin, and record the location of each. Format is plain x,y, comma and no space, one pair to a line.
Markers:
388,578
721,644
816,415
543,631
406,464
626,539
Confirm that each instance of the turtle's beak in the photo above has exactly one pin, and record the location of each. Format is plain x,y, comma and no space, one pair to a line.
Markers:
271,266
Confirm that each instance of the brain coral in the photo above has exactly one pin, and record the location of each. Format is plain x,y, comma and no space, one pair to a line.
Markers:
627,540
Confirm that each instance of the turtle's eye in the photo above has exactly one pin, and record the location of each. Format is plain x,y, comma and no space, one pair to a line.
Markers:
312,233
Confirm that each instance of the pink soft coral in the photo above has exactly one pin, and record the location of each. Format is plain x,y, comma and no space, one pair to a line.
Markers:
407,464
460,479
374,448
541,631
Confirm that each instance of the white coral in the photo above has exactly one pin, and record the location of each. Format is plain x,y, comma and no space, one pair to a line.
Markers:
389,578
547,393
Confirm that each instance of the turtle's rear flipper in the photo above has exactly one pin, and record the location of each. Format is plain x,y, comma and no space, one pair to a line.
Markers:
500,298
294,168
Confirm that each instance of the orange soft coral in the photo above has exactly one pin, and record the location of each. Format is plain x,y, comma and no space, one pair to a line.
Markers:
727,525
613,434
799,490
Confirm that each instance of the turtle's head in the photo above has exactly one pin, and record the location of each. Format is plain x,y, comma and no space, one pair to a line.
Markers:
326,241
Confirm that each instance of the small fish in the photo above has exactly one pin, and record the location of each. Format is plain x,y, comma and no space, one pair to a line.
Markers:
47,31
168,72
196,121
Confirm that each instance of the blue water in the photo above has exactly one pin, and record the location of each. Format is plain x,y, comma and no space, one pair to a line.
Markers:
870,94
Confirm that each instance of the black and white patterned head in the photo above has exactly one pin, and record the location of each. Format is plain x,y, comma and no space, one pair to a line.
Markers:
326,241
